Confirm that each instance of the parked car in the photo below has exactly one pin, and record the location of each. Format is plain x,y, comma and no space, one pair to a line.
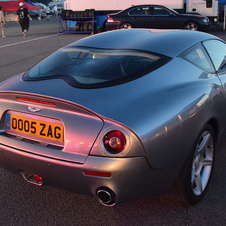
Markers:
51,10
120,115
35,14
155,16
12,17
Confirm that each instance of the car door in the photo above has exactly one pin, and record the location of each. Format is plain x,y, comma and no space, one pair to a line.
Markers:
153,17
141,17
163,18
210,57
217,53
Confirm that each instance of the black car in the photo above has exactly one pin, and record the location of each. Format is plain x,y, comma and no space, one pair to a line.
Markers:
155,16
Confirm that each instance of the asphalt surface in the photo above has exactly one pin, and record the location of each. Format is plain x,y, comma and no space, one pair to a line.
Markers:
25,204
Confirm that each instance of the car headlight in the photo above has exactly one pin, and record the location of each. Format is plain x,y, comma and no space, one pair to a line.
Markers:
205,20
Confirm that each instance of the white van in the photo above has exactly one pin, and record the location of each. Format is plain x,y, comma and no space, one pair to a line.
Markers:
59,5
41,6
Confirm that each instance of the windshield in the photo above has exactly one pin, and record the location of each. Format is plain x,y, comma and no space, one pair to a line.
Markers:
95,68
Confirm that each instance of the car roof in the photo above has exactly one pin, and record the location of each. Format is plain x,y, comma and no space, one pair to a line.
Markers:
166,42
139,6
146,5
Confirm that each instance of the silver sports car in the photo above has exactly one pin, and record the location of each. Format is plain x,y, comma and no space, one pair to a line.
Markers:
119,115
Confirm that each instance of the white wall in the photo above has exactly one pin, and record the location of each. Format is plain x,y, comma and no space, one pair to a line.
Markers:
77,5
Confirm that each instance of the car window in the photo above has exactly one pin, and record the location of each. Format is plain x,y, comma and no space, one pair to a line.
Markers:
198,56
146,11
140,11
94,68
160,11
217,52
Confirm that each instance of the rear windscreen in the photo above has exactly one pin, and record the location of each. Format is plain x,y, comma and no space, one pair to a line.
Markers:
95,68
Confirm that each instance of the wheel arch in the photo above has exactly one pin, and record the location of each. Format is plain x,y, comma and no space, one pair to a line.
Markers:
215,126
182,187
104,26
213,123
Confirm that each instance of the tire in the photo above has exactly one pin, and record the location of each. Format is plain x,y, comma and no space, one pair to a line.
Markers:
82,15
77,26
86,27
91,11
71,14
191,25
90,27
126,25
81,27
63,13
76,14
86,13
79,14
194,179
68,12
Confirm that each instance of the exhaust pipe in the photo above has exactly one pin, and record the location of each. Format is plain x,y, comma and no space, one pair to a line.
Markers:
106,196
31,178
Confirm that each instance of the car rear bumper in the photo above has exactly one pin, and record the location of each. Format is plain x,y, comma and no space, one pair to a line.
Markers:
129,177
112,25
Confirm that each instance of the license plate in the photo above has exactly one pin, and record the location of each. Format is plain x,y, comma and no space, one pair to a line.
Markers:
36,127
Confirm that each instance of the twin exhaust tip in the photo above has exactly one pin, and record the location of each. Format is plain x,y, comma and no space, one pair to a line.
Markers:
106,196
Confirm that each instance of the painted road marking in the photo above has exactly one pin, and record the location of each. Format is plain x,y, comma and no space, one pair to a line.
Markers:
30,40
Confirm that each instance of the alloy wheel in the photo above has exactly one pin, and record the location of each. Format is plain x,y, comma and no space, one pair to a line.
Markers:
202,163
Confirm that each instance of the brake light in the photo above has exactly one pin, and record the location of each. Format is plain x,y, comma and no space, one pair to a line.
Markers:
114,141
110,19
35,101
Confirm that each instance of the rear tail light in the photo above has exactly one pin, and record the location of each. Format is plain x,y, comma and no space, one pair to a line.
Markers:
114,141
110,19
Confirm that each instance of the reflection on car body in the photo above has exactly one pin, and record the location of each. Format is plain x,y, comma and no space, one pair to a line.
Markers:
119,115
